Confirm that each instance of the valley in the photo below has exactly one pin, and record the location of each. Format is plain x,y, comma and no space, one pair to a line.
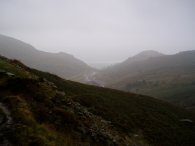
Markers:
48,110
97,73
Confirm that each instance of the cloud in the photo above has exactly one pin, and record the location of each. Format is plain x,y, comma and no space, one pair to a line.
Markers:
118,27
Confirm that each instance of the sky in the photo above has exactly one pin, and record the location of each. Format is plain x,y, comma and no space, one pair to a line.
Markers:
101,30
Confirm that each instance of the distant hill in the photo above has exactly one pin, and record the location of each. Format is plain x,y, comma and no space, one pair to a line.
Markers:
122,69
62,64
169,77
144,55
38,108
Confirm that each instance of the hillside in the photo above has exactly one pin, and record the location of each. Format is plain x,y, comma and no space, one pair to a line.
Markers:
144,55
62,64
38,108
169,77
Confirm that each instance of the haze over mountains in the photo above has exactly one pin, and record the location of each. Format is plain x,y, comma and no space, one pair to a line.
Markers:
62,64
97,73
168,77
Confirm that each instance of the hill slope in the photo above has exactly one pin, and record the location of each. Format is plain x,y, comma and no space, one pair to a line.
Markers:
62,64
169,77
45,110
144,55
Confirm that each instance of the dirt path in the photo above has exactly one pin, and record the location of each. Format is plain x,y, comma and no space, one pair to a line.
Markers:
7,113
5,124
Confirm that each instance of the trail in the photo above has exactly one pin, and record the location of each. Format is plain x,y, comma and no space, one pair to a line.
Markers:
4,123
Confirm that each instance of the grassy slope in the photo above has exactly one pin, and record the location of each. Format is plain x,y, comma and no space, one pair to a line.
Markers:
5,64
133,113
141,119
175,87
169,77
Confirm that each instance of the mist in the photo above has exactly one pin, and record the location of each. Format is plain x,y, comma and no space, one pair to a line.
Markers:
101,30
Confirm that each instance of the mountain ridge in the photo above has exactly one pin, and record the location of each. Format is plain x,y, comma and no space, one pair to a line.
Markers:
62,64
159,74
144,55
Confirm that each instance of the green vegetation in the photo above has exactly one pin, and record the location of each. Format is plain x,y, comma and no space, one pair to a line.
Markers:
176,89
48,110
6,64
167,77
182,95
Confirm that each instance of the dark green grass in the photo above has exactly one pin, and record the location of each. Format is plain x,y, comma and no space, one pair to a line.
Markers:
156,121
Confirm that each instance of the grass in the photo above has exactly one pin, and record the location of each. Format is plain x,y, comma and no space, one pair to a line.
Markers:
181,94
42,116
174,86
8,66
159,121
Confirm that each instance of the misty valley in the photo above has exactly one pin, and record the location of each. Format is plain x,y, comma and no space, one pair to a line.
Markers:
69,102
97,73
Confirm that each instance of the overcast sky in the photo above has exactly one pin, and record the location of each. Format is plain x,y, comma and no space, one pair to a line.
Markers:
101,30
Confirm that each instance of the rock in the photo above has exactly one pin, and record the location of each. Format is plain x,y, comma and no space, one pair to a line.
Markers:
60,92
135,135
186,120
10,74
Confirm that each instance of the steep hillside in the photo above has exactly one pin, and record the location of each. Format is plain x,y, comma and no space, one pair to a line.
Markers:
62,64
38,108
169,77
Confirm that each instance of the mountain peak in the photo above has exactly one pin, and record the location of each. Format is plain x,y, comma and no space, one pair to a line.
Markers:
63,54
144,55
148,53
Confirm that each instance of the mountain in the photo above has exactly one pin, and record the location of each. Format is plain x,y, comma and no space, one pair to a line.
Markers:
38,108
122,69
62,64
144,55
169,77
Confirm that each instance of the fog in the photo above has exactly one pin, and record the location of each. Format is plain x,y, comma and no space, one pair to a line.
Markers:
101,30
